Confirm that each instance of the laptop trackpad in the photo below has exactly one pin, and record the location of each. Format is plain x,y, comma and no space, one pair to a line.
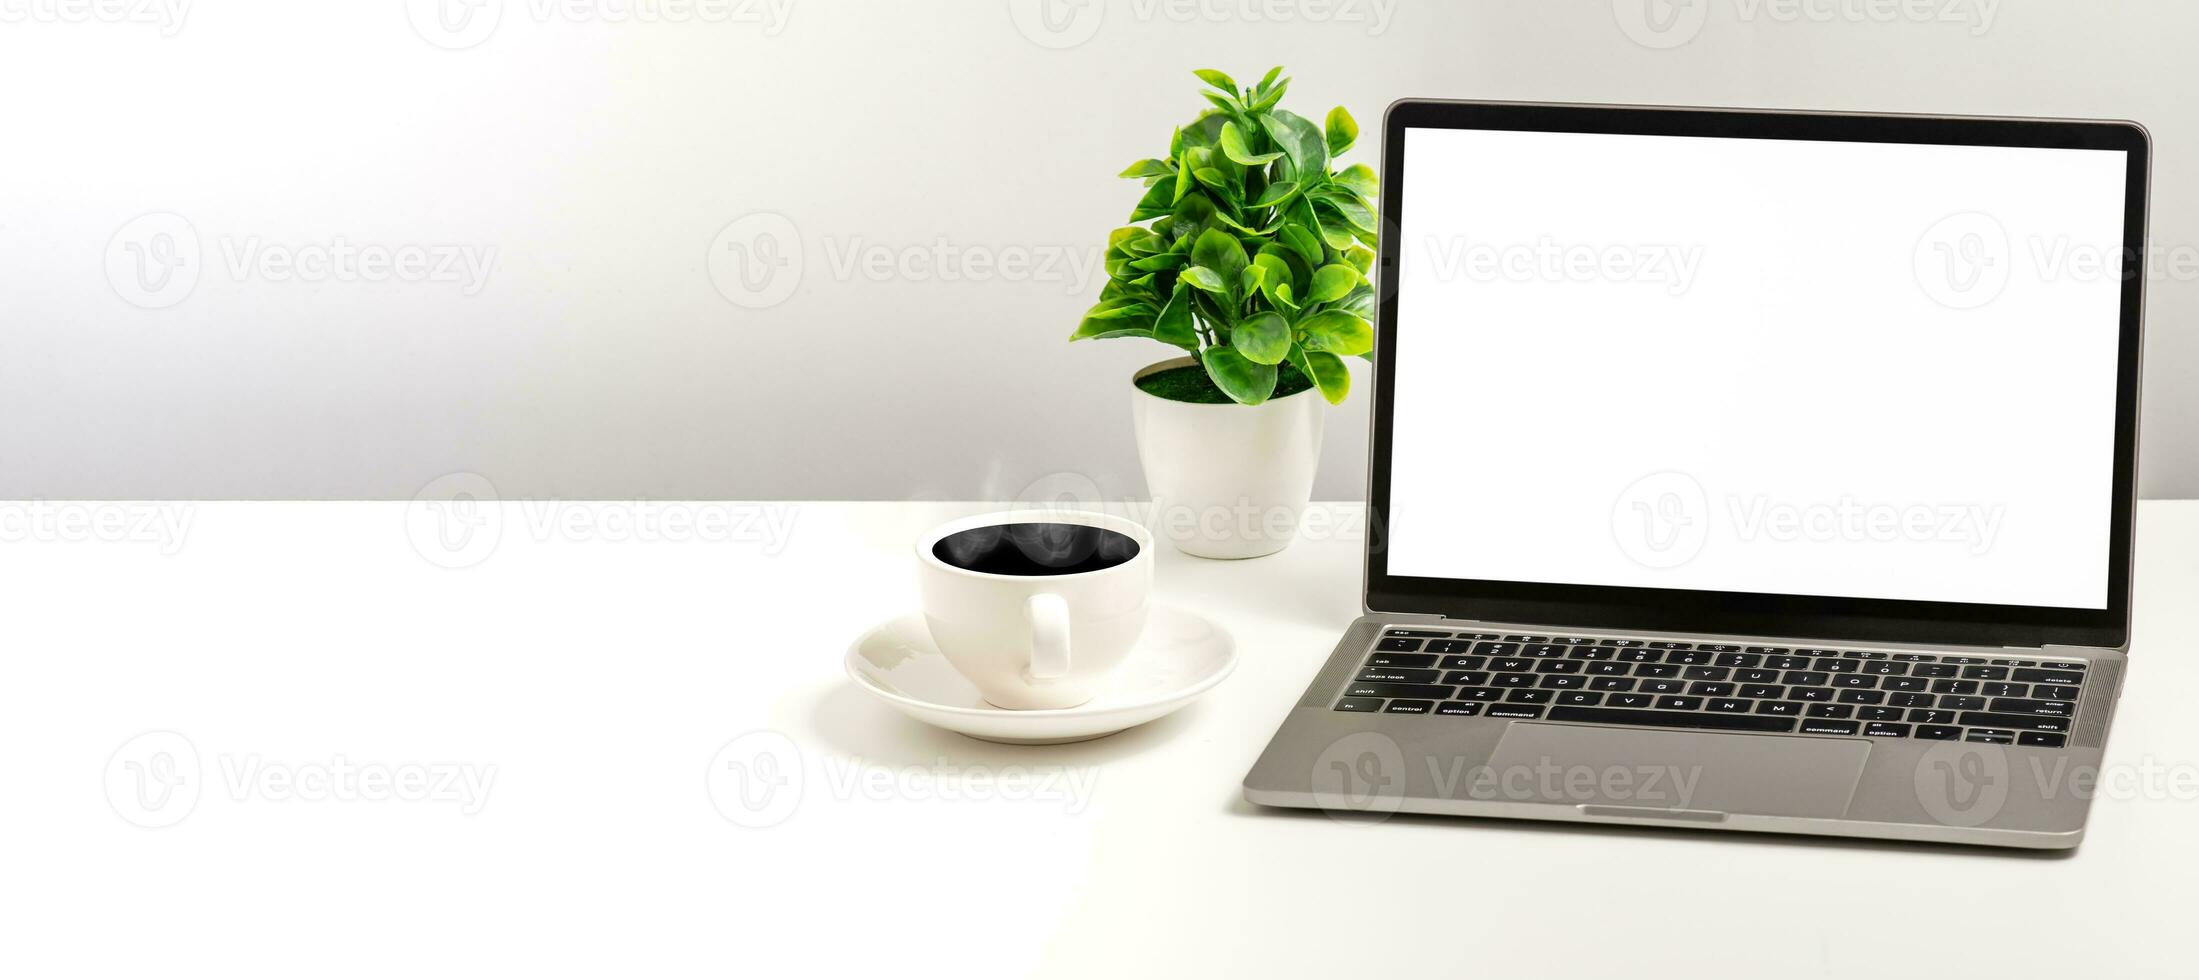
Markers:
1770,775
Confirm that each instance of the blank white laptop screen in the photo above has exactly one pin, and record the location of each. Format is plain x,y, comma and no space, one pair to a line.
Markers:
1861,370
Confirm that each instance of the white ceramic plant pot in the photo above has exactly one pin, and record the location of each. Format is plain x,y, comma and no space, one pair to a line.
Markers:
1228,481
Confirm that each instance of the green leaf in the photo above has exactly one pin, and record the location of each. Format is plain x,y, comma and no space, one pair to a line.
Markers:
1220,252
1334,229
1243,380
1355,212
1207,279
1276,282
1360,258
1157,201
1194,215
1173,326
1303,240
1337,332
1278,193
1343,131
1264,338
1224,103
1217,79
1212,178
1122,309
1326,370
1147,168
1301,142
1268,98
1269,79
1160,263
1332,283
1234,146
1175,143
1359,179
1360,302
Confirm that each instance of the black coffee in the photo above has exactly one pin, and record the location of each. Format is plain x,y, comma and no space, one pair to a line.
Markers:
1036,549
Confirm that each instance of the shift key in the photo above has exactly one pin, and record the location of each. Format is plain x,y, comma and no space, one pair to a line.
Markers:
1425,692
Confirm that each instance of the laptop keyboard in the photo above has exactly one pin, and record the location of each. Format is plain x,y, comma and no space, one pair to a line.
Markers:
1718,686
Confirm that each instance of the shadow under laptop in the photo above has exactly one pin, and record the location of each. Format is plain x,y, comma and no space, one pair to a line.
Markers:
1237,806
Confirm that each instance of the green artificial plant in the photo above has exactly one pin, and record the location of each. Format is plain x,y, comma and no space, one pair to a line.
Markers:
1257,252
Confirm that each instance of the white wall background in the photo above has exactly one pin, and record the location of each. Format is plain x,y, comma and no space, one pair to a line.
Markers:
600,152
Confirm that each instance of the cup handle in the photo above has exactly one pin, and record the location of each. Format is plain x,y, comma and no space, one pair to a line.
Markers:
1049,637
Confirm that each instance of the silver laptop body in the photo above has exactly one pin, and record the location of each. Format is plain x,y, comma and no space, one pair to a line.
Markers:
1797,685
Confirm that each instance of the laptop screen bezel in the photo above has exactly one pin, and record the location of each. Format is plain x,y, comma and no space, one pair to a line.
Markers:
1747,613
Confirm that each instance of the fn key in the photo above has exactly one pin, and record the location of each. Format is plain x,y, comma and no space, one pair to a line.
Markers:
1359,704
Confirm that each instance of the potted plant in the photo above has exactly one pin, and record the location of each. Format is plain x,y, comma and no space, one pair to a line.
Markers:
1251,255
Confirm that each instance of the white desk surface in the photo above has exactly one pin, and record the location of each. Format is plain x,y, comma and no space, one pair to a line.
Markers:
600,675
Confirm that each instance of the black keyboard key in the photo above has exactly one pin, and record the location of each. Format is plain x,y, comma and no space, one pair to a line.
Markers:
1513,711
1477,636
2045,739
1674,702
1965,660
1914,658
1767,649
1409,708
1641,656
2005,690
1398,644
1479,693
1594,653
1449,646
1821,652
1657,670
1883,730
1836,665
1861,682
1737,660
1862,697
1756,675
1580,697
1559,667
1471,678
1607,668
1516,665
2053,692
2026,706
2062,665
1359,704
1934,670
1961,702
1886,668
1496,649
1706,673
1463,708
1872,712
1985,673
1787,663
1904,684
1826,726
1954,687
2047,675
1670,645
1810,693
1631,701
1398,675
1991,736
2036,723
1514,680
1700,656
1931,716
1573,641
1401,660
1662,686
1611,684
1465,663
1832,711
1539,650
1423,634
1710,689
1719,647
1910,699
1563,682
1620,643
1524,695
1727,705
1525,638
1938,733
1434,692
1674,719
1790,709
1763,691
1806,678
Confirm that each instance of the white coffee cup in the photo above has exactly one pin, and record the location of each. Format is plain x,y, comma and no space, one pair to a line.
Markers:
1042,639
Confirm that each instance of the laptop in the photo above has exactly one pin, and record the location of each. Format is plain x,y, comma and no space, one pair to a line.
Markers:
1741,470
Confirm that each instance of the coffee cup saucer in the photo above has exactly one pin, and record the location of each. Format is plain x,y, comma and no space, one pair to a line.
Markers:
1179,656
